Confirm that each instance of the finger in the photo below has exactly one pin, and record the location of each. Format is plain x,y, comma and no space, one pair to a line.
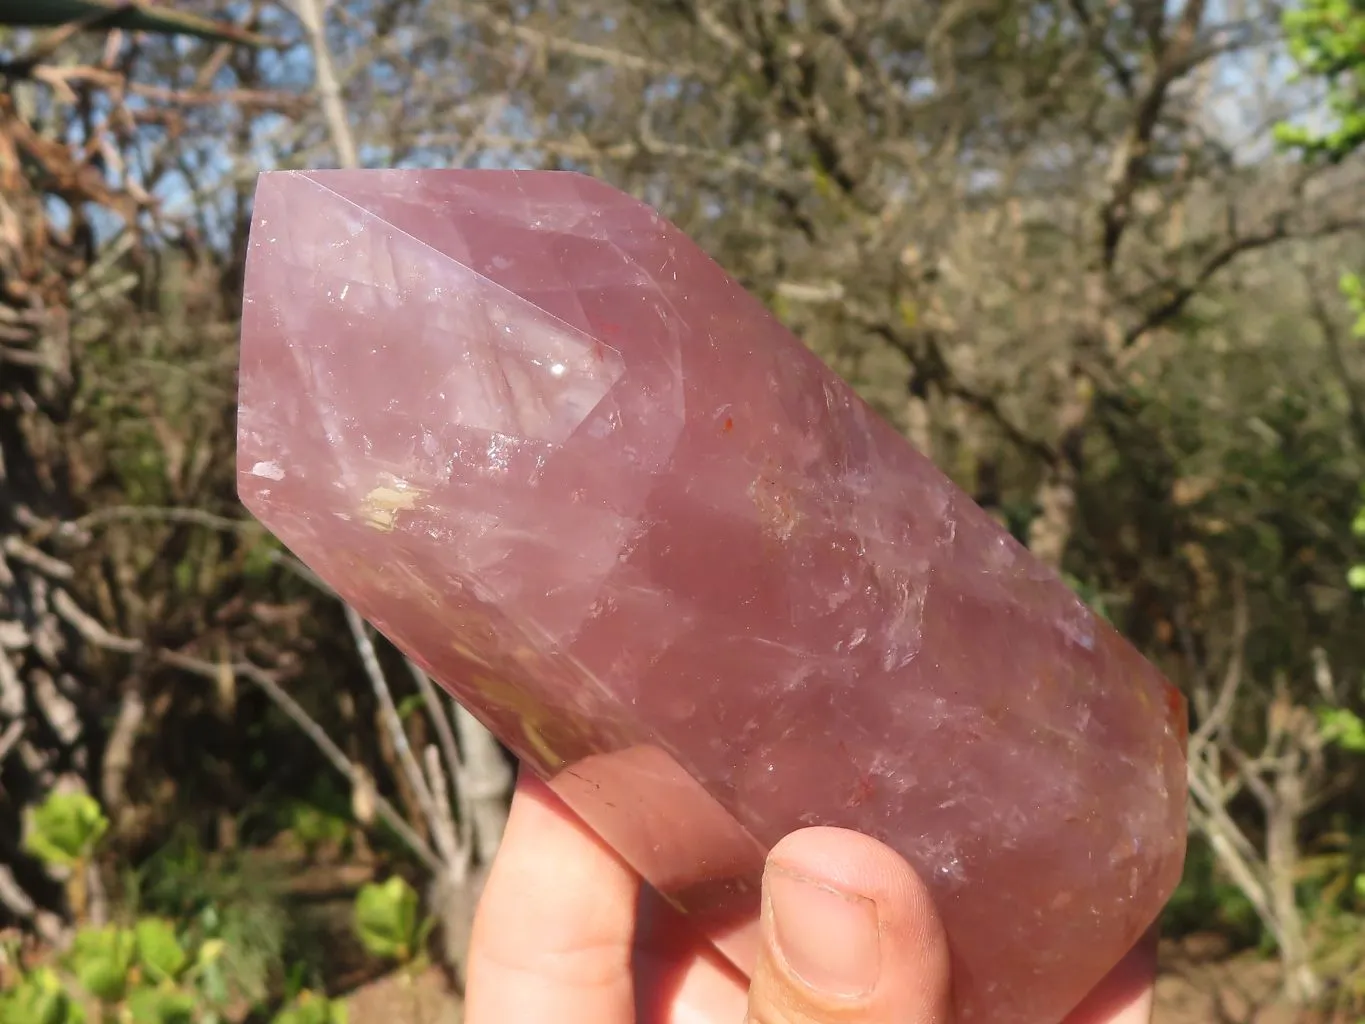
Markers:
681,978
1128,992
553,934
850,937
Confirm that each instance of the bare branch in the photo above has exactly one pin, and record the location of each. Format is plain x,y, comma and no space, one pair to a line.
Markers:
440,720
312,14
9,738
455,854
17,549
1215,718
315,732
48,926
379,684
90,628
487,779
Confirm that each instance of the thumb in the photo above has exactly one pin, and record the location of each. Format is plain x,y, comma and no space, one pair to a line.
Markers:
850,936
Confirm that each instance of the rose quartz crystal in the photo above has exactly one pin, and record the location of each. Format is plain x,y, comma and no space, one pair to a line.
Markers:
585,480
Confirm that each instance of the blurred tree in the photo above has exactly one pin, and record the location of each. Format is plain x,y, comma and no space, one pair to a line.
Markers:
1327,39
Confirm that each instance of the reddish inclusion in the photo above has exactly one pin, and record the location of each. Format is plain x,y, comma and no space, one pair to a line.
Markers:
483,406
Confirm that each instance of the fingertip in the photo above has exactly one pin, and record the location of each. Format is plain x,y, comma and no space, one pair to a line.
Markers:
850,933
856,863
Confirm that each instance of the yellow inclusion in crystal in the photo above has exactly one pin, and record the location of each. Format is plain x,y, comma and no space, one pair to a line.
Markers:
380,507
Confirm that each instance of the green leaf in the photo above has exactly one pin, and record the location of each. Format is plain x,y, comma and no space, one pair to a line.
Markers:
1326,38
132,17
161,1005
310,1008
386,919
210,953
315,826
40,999
1343,728
102,959
1355,577
158,950
64,828
259,561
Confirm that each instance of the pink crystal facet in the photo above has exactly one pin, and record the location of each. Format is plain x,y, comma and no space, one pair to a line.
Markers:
532,432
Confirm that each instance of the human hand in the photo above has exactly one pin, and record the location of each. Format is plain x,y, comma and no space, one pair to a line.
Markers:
850,936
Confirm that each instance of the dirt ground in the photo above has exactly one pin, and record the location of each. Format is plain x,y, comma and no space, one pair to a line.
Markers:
395,1000
1199,984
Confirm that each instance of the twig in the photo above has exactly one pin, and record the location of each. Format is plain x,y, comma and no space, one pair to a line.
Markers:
483,778
486,781
157,513
59,711
13,700
318,735
119,749
48,925
32,557
9,738
369,658
330,99
1336,350
455,853
556,43
1216,716
453,896
1213,825
440,720
90,628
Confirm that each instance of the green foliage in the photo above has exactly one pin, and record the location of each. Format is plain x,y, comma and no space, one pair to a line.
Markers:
317,827
218,938
161,1005
1205,900
214,937
1332,880
148,973
40,998
310,1008
159,949
140,968
1344,728
387,921
228,909
1327,39
1353,287
101,959
64,829
143,974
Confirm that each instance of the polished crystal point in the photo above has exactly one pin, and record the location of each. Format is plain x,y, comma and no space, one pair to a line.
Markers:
578,474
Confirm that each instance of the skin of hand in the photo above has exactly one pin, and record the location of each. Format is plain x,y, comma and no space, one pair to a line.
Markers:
566,933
